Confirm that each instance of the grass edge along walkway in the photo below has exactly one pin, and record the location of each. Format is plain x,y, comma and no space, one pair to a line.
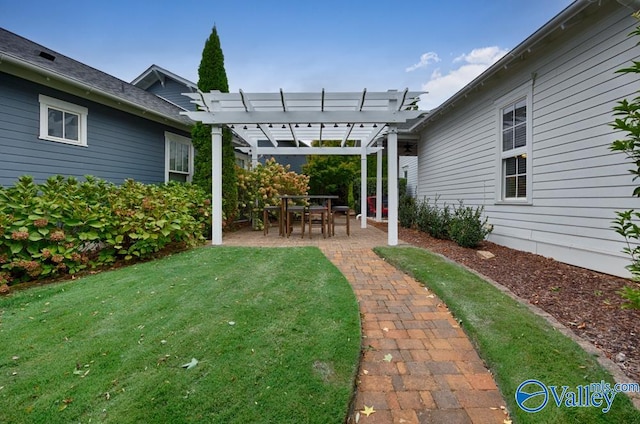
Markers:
276,333
516,344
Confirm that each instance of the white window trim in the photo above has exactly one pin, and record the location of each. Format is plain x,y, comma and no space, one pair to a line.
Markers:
47,102
520,93
168,138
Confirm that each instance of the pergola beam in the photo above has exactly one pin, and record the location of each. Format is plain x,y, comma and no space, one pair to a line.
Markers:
303,117
305,151
248,107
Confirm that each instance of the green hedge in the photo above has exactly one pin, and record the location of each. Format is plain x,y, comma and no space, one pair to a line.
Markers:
463,224
63,225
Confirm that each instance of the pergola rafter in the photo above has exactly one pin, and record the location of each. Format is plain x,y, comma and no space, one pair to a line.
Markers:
355,119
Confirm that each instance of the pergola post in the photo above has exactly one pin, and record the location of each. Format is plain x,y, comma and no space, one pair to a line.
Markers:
392,185
254,158
363,188
216,185
379,184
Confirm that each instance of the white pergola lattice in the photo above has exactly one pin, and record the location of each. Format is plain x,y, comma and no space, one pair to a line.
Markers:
359,120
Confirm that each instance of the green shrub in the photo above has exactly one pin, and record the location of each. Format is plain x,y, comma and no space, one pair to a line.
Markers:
407,211
63,226
467,228
464,225
432,219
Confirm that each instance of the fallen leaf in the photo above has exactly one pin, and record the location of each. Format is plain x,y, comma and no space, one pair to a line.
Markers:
507,422
357,417
365,372
368,410
385,329
191,364
388,357
431,296
15,358
107,396
232,323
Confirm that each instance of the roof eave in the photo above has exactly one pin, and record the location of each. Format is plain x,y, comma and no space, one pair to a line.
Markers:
143,111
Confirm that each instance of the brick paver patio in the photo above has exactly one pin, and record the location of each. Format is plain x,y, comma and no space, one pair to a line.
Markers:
418,366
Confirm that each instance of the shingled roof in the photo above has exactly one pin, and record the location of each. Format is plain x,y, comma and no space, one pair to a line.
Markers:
97,85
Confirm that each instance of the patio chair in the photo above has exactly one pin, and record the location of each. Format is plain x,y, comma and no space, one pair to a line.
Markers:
317,211
341,210
267,212
293,211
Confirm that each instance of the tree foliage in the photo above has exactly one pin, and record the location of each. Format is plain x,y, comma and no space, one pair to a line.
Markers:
212,76
331,174
627,113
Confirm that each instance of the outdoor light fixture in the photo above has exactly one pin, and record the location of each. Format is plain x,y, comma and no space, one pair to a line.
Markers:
284,126
244,128
335,125
321,125
296,125
348,125
375,126
232,127
309,126
361,125
407,148
270,125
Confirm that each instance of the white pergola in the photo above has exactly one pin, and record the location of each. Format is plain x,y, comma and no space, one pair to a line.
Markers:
360,120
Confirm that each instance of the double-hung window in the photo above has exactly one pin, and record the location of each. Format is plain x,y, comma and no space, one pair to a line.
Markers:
178,157
62,121
514,169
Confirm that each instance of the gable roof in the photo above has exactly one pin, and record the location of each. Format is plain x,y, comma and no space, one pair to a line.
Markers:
155,73
533,43
26,59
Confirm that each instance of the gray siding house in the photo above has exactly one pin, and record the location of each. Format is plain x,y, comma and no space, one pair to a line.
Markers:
59,116
529,140
167,85
171,87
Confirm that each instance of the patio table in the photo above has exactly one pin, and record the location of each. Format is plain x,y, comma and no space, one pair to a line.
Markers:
284,206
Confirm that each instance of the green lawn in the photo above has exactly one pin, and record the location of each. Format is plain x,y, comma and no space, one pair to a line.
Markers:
275,332
516,344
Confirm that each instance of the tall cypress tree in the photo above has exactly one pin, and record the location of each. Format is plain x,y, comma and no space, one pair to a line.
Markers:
212,76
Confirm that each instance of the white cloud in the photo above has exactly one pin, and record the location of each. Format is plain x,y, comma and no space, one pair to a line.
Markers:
482,56
425,60
442,86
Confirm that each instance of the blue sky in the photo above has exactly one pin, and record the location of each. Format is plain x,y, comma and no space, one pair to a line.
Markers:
433,45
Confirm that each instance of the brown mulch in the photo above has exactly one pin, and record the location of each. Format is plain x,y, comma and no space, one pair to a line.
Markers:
586,302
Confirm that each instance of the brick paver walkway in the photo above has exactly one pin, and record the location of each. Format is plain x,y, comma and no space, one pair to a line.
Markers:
418,366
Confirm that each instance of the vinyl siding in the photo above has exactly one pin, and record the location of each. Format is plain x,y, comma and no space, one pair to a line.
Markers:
578,183
172,91
120,145
411,164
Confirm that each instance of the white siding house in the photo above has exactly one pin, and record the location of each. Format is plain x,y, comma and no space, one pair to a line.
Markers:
408,168
529,139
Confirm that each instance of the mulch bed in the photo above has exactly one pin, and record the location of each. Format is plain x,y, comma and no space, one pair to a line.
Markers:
587,302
